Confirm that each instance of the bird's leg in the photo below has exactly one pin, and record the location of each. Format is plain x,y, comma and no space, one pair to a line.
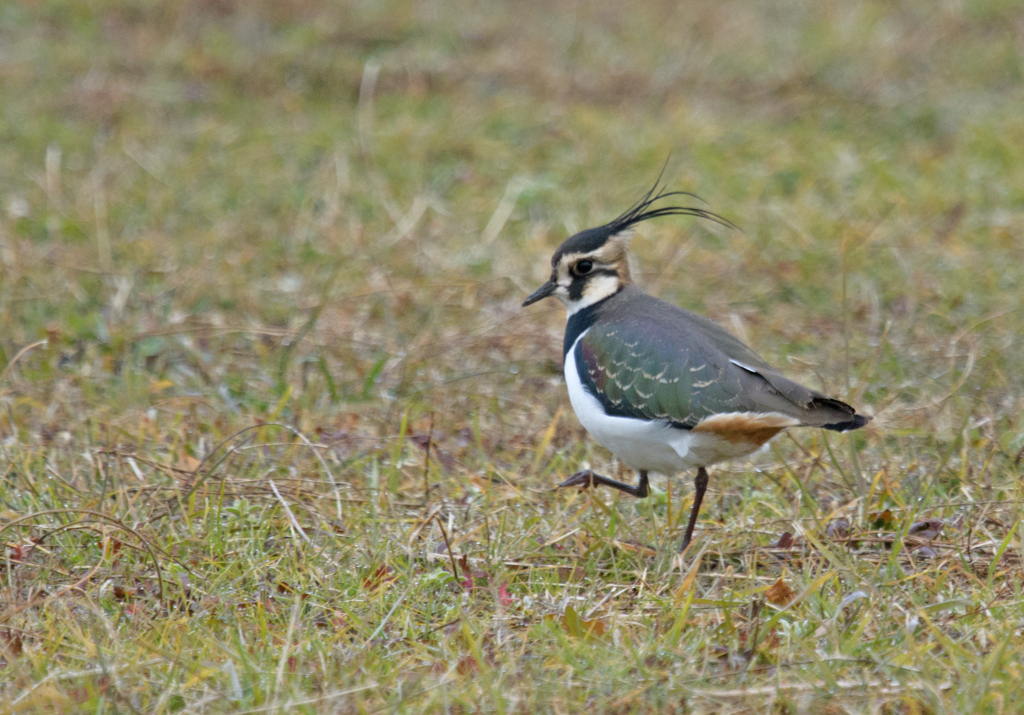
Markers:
700,485
588,478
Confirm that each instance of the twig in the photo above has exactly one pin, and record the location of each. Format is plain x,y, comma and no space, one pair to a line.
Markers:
504,210
455,569
276,707
426,461
75,674
18,355
103,517
198,482
283,661
391,613
288,511
877,686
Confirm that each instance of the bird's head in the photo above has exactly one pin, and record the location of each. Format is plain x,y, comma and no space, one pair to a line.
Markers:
593,264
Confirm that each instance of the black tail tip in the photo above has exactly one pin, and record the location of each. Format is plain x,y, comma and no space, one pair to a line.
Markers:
857,422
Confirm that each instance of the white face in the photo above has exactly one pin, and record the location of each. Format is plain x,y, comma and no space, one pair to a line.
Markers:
585,279
580,279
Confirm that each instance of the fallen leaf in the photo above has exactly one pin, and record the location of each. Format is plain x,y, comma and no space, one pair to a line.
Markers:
160,386
381,576
467,665
445,458
503,598
121,593
474,579
838,529
634,547
422,440
780,594
906,705
571,573
925,530
187,463
577,627
10,643
882,519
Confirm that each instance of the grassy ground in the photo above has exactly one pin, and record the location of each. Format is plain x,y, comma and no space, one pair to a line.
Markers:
276,435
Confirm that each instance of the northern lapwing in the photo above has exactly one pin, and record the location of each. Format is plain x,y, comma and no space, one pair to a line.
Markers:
665,389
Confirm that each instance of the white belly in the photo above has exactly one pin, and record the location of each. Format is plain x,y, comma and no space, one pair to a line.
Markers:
653,446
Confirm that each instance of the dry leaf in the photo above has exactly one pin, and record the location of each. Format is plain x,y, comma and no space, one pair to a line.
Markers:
473,579
577,627
187,463
838,529
121,593
571,574
906,705
780,594
10,643
467,665
925,530
634,547
381,576
159,386
503,596
882,519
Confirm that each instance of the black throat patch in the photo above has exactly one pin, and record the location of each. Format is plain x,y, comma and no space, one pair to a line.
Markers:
580,321
576,325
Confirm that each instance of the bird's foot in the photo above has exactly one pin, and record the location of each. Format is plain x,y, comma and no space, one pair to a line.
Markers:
587,478
584,479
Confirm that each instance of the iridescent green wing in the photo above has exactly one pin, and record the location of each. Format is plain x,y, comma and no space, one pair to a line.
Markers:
650,360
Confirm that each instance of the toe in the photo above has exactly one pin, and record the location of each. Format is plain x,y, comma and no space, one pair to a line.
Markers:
583,479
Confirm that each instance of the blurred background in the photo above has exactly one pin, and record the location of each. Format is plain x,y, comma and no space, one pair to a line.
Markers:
215,214
206,204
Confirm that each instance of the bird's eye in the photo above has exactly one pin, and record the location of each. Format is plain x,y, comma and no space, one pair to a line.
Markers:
584,267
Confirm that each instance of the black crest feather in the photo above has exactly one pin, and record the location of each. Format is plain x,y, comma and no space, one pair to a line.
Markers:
642,210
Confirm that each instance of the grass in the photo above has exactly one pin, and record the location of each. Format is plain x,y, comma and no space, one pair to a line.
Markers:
277,437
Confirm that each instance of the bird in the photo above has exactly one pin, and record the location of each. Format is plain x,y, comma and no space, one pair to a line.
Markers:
665,389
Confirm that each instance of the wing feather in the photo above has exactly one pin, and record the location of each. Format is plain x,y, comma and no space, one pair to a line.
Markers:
650,360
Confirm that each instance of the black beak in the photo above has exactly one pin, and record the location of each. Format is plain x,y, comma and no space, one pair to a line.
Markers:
543,292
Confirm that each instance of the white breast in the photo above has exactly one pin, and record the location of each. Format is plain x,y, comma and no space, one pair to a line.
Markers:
653,446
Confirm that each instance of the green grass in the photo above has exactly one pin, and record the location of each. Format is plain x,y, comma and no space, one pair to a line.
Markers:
321,218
